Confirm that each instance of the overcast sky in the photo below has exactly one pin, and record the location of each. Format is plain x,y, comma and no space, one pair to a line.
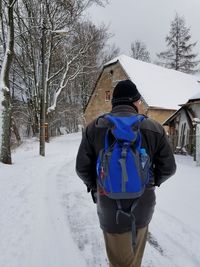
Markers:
146,20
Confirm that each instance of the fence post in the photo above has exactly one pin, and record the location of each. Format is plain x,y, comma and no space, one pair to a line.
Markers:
198,144
196,124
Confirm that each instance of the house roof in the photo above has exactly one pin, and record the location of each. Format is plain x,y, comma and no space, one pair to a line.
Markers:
195,97
189,102
159,86
171,118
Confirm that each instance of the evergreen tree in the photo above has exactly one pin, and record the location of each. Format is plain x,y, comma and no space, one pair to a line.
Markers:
180,55
139,51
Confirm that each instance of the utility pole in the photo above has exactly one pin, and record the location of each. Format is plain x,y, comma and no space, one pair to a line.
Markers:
42,87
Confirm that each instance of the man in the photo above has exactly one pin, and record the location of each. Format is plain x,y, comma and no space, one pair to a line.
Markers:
117,236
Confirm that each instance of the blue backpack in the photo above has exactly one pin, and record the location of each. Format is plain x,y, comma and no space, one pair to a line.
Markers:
123,165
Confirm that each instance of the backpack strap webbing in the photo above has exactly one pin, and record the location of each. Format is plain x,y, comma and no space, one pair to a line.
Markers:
129,214
122,162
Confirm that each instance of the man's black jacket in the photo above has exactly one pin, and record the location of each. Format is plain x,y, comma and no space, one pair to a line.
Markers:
156,143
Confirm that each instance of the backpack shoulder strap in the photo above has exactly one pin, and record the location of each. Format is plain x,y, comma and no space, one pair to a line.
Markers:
102,122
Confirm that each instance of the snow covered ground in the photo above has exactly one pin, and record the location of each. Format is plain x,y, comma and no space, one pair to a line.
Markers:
48,220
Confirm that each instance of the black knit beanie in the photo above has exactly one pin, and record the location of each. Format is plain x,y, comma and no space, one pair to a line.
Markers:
125,93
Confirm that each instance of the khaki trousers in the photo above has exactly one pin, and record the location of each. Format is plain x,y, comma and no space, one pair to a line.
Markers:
120,251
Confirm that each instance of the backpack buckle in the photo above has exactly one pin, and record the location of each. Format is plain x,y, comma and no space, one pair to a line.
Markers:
124,149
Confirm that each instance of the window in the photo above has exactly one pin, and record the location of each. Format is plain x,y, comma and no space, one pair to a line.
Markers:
107,96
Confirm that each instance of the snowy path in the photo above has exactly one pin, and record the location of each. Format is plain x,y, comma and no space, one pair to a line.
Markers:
36,231
48,220
171,242
51,230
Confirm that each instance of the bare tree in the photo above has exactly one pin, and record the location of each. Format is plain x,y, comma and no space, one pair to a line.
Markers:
180,55
71,48
108,53
139,51
92,60
5,99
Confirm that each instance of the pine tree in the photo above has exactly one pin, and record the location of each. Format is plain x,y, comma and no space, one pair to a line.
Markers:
180,55
139,51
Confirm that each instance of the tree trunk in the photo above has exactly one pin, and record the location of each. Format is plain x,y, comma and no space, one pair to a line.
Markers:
5,99
42,92
16,132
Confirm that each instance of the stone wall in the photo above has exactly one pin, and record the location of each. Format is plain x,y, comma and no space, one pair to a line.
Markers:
159,114
106,83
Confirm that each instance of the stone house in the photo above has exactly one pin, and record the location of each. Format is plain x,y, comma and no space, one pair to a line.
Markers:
161,89
182,126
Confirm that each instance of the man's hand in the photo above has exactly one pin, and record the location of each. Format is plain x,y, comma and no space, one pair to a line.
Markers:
93,193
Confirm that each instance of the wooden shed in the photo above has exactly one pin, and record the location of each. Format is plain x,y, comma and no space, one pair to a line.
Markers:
182,126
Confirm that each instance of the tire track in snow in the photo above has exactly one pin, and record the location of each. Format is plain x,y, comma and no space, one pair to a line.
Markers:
154,243
53,242
172,235
82,217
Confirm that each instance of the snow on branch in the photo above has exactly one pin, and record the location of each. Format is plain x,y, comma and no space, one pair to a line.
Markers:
12,4
62,86
65,79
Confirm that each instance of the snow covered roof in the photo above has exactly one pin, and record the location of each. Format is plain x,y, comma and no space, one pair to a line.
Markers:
194,97
160,87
